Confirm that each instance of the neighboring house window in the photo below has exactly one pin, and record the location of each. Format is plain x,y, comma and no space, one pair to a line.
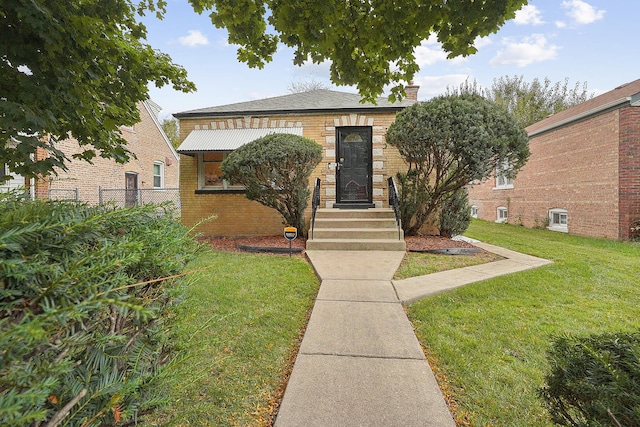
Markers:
502,214
503,180
558,220
210,171
158,175
474,211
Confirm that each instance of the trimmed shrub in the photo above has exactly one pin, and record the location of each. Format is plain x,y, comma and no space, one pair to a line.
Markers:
455,213
83,305
275,171
594,381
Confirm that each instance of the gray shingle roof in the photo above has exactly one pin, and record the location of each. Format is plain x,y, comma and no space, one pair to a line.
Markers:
321,100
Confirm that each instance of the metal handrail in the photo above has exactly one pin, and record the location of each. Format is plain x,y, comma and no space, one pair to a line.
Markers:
394,203
315,202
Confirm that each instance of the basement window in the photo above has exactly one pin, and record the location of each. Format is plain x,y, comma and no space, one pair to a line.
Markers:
558,220
502,214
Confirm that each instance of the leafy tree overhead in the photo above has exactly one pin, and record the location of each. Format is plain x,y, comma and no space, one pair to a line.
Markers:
448,142
369,44
529,102
275,171
171,128
74,67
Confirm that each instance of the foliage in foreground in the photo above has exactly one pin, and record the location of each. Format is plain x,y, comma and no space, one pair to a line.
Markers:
275,171
594,380
448,142
82,326
75,67
488,341
236,331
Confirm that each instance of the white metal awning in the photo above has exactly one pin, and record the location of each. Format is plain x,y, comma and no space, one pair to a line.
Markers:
201,140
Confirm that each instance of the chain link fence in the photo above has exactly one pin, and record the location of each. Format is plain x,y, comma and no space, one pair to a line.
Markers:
63,194
121,197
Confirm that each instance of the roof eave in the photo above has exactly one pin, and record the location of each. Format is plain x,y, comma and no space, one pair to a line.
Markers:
594,111
205,114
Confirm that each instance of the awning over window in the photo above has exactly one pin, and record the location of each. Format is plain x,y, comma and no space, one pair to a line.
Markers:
201,140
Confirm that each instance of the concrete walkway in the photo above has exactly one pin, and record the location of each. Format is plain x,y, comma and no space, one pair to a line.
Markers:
360,363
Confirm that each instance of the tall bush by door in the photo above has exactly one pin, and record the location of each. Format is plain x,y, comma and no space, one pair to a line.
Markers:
82,331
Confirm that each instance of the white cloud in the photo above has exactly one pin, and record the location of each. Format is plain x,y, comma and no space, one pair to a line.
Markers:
582,12
195,38
430,52
528,15
561,24
431,86
531,49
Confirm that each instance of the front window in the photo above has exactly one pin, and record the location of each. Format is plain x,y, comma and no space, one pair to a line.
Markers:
558,220
503,175
210,171
158,175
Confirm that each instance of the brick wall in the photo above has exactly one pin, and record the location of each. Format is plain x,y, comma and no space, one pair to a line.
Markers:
144,139
629,169
574,168
239,216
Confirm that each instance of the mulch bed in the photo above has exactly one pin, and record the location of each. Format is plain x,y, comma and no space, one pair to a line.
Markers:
281,245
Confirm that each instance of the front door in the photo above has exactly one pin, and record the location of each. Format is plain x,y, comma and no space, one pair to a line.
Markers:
131,189
354,170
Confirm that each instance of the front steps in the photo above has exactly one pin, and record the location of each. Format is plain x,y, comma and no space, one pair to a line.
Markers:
356,230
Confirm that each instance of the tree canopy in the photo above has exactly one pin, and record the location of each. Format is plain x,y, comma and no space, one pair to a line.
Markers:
275,171
74,68
369,44
448,142
529,102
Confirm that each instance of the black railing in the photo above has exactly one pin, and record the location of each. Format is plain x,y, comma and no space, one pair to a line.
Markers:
394,203
315,202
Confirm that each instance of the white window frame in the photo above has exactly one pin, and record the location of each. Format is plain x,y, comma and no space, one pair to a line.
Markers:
161,176
503,182
474,211
558,220
502,214
226,185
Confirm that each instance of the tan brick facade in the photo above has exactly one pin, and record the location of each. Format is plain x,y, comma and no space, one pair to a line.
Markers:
588,167
145,140
236,215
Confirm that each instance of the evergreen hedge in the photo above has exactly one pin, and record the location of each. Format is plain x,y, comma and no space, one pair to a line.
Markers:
594,380
83,329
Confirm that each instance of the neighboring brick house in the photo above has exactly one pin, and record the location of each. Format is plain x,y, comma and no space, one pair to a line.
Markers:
155,166
583,176
353,173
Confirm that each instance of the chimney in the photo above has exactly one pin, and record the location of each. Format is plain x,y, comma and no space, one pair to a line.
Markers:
412,92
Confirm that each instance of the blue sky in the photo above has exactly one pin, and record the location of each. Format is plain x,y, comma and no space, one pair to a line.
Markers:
590,41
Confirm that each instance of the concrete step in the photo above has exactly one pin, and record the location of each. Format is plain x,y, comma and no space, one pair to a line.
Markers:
355,213
355,223
356,245
357,233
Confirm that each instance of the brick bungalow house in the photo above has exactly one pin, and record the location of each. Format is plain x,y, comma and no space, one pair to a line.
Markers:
353,173
156,166
583,176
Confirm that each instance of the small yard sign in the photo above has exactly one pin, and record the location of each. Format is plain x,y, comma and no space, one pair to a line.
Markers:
290,233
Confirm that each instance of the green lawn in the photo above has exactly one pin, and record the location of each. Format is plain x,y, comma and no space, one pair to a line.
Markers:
236,332
488,340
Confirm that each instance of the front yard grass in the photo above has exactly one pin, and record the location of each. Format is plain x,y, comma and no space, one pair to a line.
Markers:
487,341
236,333
420,264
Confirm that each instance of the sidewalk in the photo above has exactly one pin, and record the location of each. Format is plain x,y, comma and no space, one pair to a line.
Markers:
360,363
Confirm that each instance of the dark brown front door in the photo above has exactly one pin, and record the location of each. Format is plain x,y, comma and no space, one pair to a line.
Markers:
131,189
354,171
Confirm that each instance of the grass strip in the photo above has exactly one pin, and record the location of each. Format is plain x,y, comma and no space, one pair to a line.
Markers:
420,264
236,332
488,341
